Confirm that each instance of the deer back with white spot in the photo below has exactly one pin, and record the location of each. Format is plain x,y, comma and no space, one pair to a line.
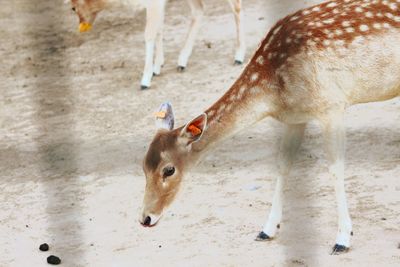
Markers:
336,52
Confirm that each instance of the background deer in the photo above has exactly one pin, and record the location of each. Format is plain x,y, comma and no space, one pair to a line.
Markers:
87,11
312,65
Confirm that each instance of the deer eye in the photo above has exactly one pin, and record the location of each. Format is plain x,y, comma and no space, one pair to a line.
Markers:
73,9
168,171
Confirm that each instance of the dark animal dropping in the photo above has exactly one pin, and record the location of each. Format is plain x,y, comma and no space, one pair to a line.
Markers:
44,247
53,260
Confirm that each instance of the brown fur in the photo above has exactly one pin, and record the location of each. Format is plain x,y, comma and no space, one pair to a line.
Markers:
163,141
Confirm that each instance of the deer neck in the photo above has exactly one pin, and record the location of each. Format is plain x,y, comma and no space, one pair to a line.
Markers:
249,100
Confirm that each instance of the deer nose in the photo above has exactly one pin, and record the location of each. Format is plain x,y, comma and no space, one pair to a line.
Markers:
147,221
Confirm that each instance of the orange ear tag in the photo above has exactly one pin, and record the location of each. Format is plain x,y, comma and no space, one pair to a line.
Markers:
160,114
194,130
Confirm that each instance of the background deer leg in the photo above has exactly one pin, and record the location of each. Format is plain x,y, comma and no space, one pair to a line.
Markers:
240,49
334,135
197,9
154,21
290,145
159,59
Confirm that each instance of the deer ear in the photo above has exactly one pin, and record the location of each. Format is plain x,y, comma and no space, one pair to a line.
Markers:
194,129
165,117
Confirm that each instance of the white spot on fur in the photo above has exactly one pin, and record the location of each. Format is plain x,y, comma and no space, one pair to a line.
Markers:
333,4
377,26
338,32
393,6
240,93
358,9
369,14
346,23
364,28
311,43
260,60
254,77
328,21
389,15
316,9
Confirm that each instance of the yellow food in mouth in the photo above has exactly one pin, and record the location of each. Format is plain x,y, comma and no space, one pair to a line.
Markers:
161,114
85,26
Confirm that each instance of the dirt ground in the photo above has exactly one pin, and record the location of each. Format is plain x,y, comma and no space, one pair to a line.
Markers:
74,128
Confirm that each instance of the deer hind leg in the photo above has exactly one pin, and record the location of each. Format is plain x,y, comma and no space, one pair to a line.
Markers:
240,50
154,23
290,145
197,9
334,137
159,58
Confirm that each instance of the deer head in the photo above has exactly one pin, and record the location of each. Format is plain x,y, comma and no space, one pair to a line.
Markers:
167,159
87,10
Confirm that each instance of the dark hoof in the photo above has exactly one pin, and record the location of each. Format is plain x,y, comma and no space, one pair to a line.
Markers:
238,62
155,74
181,69
263,237
339,249
144,87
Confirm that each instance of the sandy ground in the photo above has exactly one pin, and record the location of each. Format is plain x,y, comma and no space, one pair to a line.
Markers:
74,128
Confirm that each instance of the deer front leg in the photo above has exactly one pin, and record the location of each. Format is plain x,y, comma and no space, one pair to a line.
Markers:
154,21
240,50
197,10
334,135
290,145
